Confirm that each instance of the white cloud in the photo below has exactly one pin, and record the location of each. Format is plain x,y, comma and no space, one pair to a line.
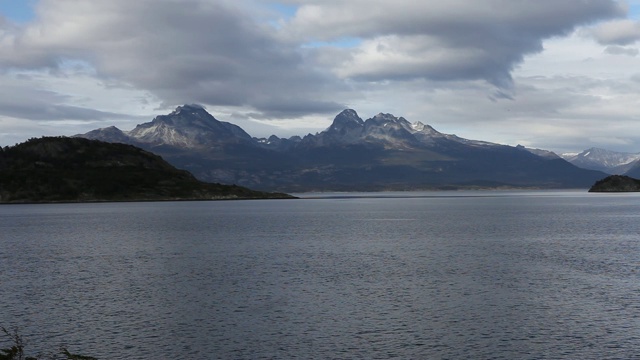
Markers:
617,32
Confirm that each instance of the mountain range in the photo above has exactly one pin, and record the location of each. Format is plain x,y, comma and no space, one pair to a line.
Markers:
381,153
610,162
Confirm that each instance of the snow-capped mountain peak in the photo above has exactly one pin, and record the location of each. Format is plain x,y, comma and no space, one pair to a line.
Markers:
604,160
394,132
382,118
188,126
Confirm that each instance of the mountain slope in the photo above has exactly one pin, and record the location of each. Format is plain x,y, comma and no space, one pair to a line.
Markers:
611,162
381,153
75,169
634,170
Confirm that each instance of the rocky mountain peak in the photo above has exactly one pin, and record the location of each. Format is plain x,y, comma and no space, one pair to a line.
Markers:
189,126
349,113
187,115
381,118
390,121
392,131
347,119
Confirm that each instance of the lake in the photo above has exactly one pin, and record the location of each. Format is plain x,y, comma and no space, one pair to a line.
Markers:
430,275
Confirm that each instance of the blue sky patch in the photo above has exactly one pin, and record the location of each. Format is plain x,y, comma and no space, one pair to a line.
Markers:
287,11
17,10
348,42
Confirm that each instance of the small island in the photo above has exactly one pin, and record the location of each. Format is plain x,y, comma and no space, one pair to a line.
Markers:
616,183
63,169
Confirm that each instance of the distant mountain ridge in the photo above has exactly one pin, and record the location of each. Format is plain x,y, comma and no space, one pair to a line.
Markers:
607,161
386,129
384,152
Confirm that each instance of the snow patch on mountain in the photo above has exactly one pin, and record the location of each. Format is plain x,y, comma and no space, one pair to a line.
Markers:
540,152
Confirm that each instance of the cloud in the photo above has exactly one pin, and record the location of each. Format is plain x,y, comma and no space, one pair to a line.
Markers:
448,63
20,99
618,32
619,50
61,113
444,41
226,53
213,52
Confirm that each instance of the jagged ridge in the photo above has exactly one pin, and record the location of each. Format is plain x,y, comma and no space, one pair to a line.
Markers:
383,152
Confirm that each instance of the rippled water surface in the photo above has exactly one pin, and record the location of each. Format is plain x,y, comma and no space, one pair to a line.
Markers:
500,275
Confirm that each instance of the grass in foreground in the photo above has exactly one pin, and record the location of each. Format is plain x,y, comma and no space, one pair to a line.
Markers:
16,351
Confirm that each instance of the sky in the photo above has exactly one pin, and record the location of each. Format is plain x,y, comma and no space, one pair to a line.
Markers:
560,75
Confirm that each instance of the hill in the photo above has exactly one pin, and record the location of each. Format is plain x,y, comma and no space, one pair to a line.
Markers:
60,169
616,183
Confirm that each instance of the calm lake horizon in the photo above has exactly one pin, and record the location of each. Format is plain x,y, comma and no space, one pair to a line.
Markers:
430,275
